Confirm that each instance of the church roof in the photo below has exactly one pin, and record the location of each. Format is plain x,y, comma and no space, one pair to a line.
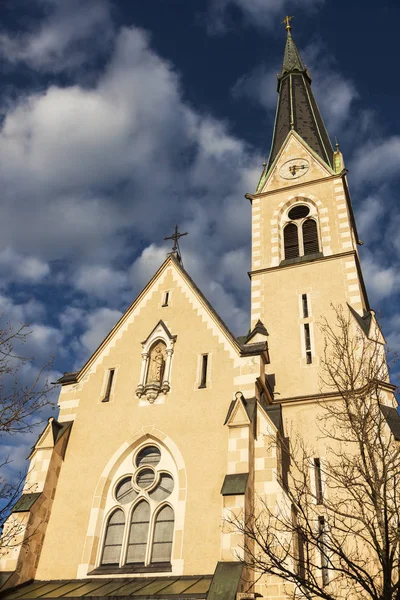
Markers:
222,585
188,588
240,344
297,109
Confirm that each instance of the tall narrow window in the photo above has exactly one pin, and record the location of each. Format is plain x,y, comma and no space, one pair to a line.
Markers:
323,550
113,540
298,541
138,534
204,365
291,241
318,481
305,305
163,535
109,385
166,299
307,340
310,237
283,449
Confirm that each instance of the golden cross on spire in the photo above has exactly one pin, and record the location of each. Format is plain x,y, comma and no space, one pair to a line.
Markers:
286,21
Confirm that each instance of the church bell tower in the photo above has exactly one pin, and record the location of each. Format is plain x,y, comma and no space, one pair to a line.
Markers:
304,236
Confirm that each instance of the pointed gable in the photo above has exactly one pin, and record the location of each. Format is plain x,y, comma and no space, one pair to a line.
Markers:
199,302
294,148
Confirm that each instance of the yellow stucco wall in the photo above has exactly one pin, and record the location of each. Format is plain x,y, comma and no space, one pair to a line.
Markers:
192,418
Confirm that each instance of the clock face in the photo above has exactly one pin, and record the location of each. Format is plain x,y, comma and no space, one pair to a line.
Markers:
292,169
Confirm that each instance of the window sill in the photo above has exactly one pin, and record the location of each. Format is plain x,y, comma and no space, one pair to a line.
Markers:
301,259
115,569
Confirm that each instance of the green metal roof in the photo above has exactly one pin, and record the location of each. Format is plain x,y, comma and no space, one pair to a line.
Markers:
25,502
234,484
226,581
291,57
168,588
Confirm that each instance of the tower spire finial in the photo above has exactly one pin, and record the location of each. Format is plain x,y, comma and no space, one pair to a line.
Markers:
286,21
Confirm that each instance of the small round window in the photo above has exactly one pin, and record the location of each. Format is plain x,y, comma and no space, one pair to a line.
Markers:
124,491
150,455
298,212
145,478
163,488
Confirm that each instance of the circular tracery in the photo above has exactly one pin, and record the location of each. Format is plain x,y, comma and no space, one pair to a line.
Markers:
163,488
145,478
124,491
150,455
298,212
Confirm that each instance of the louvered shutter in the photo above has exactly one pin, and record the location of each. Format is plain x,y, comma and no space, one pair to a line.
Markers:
291,241
310,237
113,540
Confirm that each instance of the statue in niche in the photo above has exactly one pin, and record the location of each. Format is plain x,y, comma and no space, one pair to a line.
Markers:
156,364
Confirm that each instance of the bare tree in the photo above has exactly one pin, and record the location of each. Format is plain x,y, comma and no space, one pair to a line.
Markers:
335,532
21,404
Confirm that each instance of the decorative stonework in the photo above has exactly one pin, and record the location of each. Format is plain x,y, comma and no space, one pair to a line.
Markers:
155,373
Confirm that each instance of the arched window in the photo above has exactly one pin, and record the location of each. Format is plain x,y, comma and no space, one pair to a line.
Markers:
163,534
291,238
310,237
300,235
139,533
113,538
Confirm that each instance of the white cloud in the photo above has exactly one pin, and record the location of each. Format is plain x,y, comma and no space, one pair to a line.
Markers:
27,269
378,160
101,281
146,265
133,133
382,280
260,86
371,211
261,13
98,324
64,36
20,313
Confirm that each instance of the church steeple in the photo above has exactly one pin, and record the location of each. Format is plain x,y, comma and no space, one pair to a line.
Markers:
297,109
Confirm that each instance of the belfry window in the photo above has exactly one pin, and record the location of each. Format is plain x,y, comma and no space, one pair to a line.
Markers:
291,237
139,531
300,235
310,237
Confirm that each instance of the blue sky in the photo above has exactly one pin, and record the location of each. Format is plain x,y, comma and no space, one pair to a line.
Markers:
121,118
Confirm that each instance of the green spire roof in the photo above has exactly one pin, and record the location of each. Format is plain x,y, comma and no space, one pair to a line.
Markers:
291,57
297,109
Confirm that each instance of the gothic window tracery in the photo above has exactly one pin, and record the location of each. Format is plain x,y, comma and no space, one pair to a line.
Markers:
300,232
139,529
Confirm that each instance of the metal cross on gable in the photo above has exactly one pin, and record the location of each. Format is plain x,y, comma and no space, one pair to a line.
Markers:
175,236
175,248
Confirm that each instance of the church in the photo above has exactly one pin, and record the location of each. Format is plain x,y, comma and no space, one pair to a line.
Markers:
174,422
